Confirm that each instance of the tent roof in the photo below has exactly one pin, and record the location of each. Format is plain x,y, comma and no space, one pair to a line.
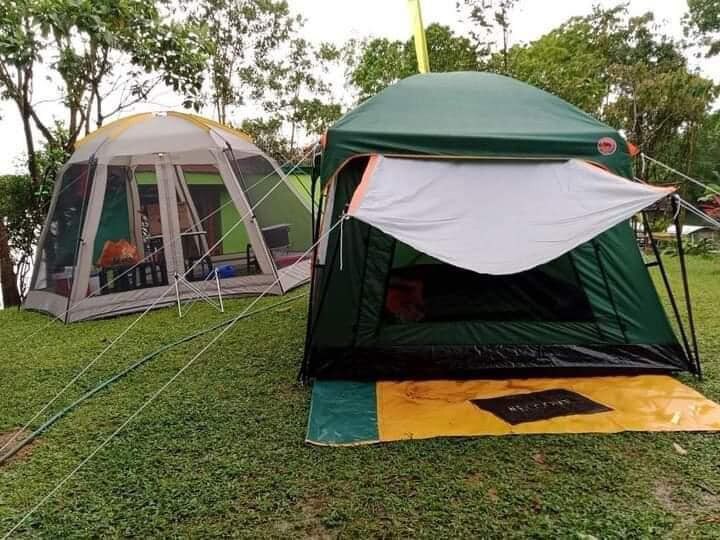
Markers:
168,132
471,114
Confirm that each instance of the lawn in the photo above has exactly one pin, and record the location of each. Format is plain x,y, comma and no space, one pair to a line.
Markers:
221,453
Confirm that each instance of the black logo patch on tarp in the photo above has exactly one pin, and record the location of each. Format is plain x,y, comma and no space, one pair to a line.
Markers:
533,406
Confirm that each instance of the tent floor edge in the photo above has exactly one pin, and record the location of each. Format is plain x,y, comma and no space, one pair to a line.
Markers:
467,362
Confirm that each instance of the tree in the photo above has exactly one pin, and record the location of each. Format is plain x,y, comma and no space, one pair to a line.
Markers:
297,93
91,48
245,40
703,20
564,62
627,73
257,58
268,135
23,206
378,63
487,20
706,165
298,102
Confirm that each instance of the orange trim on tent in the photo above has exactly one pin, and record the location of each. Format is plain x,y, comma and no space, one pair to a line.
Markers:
364,183
668,189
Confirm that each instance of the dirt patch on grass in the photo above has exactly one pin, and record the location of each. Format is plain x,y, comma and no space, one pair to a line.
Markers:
663,493
6,436
705,508
666,496
475,478
308,524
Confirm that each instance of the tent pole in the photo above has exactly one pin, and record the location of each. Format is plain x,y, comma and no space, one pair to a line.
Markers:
302,374
315,224
668,288
314,177
302,377
686,286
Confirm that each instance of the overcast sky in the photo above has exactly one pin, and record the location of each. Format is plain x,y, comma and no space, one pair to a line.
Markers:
339,20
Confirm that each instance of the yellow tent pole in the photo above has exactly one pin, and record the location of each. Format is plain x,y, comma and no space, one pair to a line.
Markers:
419,34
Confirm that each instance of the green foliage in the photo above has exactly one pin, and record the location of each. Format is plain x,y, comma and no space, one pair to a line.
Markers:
703,247
267,134
23,210
256,55
243,39
378,63
487,19
24,205
628,73
710,193
703,19
221,453
86,42
565,62
18,47
706,165
381,63
296,91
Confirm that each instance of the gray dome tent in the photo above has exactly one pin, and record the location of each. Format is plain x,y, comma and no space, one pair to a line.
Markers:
152,196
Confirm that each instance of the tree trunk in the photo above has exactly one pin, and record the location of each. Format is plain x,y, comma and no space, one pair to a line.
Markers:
8,280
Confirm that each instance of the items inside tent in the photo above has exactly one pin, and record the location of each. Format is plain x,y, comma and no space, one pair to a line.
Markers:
485,233
152,196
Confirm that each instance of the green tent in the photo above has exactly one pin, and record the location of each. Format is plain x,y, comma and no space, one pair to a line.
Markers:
395,295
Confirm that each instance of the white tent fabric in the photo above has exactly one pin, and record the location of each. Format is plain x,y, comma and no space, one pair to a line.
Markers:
171,187
495,217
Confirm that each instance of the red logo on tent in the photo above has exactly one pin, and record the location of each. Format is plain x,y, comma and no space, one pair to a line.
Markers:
607,146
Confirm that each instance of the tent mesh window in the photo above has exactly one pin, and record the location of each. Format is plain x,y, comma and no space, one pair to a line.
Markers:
114,222
58,253
283,218
423,289
209,217
128,250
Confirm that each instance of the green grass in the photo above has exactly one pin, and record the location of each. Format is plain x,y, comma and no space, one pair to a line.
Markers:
221,453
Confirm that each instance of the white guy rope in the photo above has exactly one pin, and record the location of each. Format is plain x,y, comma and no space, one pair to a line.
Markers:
134,322
160,250
109,346
160,391
699,213
682,175
191,302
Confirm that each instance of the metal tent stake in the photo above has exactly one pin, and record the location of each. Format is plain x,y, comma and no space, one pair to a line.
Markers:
219,291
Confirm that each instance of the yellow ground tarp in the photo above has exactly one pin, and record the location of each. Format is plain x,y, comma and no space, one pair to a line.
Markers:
419,410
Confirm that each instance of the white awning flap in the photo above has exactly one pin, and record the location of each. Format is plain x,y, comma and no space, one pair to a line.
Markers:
495,217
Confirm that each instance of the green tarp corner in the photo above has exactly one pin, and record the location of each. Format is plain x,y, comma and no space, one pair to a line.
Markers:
343,413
